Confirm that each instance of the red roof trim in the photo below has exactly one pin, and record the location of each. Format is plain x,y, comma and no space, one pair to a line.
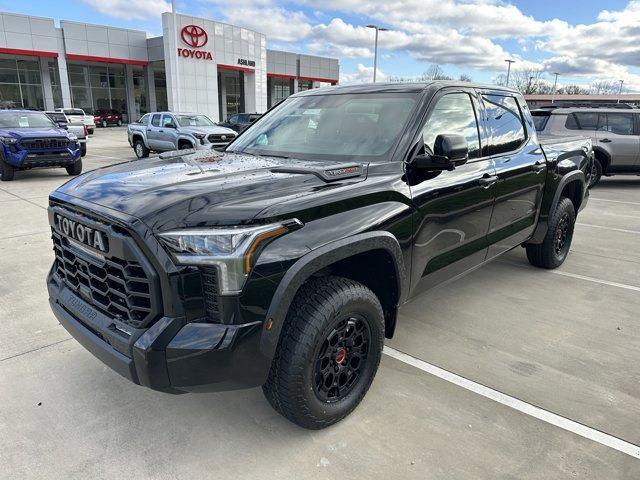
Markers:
235,67
332,81
92,58
30,53
280,75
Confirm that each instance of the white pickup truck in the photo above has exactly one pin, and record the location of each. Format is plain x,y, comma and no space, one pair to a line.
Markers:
73,125
166,131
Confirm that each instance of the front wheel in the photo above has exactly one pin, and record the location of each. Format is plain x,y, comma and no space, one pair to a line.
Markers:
104,124
6,171
75,169
328,354
552,252
119,122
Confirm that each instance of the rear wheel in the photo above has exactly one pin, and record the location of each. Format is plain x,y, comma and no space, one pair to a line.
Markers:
140,149
104,124
119,122
596,173
6,171
552,252
83,149
328,354
75,169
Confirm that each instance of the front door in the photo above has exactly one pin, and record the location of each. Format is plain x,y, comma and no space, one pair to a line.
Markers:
453,207
521,169
169,133
154,132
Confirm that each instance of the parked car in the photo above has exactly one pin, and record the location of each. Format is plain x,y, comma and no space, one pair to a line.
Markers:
240,121
79,114
165,131
76,127
615,134
30,139
104,118
283,260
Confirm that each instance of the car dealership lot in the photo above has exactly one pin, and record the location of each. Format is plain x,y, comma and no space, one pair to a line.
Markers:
565,341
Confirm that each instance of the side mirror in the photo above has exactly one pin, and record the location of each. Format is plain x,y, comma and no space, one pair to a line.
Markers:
449,151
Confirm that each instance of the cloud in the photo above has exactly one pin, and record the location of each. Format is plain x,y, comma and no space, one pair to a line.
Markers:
130,10
276,22
362,74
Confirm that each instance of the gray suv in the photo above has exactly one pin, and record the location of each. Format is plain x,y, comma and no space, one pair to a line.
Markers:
615,134
166,131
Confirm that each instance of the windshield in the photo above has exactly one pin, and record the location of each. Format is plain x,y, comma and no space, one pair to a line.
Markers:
25,120
330,127
194,121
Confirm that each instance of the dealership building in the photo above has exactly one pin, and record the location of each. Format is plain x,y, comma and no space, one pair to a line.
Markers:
197,65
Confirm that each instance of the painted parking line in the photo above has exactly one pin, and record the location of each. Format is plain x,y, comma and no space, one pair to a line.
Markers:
517,404
576,276
613,201
623,230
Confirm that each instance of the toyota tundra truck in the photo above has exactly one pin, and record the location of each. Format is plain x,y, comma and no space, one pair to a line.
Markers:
284,261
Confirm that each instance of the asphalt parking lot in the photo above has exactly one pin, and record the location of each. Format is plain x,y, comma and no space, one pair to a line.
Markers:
566,342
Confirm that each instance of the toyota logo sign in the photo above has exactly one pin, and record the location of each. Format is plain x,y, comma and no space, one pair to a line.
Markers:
194,36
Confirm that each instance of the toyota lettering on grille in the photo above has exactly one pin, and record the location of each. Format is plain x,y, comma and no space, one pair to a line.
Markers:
81,233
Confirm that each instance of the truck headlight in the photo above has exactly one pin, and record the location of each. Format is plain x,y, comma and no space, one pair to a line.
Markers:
8,140
231,249
199,136
73,138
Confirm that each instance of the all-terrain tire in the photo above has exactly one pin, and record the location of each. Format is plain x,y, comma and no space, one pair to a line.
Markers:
596,173
319,309
552,252
140,149
6,171
75,169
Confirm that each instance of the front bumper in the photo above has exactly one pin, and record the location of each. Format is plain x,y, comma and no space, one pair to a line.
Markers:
32,159
171,356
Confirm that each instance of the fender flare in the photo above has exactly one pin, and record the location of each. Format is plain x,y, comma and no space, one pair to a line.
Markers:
315,261
543,224
191,140
604,153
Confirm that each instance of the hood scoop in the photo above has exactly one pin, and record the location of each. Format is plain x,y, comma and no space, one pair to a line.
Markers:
330,173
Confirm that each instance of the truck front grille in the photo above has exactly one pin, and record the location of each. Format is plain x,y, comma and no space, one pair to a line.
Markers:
119,288
221,138
44,143
210,293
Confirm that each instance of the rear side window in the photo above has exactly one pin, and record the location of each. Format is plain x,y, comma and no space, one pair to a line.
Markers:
453,114
619,123
540,121
155,120
583,121
506,130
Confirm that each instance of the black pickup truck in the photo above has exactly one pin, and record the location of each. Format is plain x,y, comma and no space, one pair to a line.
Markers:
282,262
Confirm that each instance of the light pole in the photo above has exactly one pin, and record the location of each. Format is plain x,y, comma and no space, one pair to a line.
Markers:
375,50
555,84
509,62
620,90
175,36
529,85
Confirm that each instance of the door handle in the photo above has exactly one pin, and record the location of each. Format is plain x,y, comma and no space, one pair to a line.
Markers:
605,140
487,180
538,167
161,131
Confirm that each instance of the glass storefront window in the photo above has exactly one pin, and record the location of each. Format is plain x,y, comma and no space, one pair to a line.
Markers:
160,81
140,93
54,76
304,85
278,90
98,87
20,84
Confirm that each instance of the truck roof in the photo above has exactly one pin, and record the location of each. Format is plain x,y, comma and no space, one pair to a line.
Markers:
401,87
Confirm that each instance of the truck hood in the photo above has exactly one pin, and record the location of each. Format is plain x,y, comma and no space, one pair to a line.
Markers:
207,130
206,188
33,132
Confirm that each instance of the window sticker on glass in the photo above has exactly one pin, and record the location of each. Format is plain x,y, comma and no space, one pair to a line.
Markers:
312,111
23,122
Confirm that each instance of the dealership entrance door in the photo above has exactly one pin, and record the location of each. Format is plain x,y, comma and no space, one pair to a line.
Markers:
230,93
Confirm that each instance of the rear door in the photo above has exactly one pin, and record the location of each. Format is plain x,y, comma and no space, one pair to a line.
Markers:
454,207
521,169
154,132
618,134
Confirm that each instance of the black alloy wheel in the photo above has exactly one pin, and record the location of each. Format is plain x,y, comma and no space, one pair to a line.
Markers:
341,358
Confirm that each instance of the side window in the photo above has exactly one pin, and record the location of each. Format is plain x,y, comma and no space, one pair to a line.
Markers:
583,121
453,114
504,119
167,120
144,119
233,119
619,123
155,120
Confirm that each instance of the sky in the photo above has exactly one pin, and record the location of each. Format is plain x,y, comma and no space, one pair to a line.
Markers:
583,41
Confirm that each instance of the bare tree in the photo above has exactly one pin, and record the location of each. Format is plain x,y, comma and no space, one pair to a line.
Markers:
434,72
526,80
465,78
573,90
605,87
